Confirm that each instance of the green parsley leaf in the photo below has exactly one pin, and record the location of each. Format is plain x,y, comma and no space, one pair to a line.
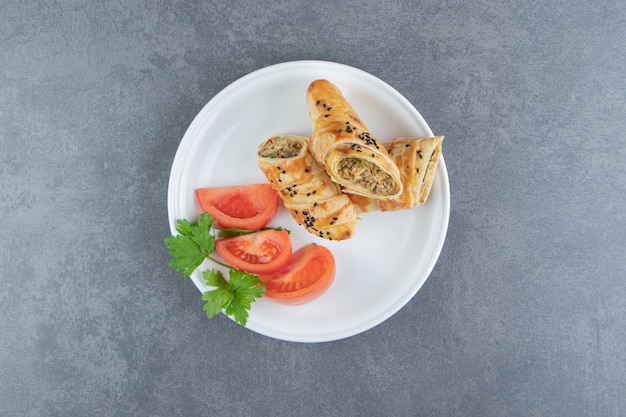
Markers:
214,278
246,289
192,246
218,298
246,284
186,254
183,227
234,296
201,233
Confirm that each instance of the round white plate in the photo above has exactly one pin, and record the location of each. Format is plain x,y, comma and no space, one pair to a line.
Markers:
391,255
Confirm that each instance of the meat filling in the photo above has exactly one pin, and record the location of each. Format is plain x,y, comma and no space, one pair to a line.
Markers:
280,148
367,175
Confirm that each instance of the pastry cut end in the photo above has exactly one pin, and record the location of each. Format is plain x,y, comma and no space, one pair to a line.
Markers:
417,159
360,176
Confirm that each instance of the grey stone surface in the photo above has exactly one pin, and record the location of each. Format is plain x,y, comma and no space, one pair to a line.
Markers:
523,314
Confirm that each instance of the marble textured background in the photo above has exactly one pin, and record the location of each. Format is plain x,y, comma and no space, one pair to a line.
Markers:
523,314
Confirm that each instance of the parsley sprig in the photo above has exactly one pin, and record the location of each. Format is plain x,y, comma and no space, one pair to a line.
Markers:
195,243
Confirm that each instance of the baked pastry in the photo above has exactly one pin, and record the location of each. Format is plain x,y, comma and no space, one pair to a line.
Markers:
305,188
417,159
342,143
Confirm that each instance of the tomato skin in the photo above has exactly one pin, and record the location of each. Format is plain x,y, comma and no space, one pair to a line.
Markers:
249,207
265,251
307,275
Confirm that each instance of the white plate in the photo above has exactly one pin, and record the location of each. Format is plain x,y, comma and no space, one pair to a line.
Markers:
391,255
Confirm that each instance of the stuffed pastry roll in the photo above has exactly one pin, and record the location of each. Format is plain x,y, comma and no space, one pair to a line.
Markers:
347,149
417,159
308,193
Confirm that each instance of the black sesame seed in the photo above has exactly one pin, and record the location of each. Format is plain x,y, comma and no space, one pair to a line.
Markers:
318,102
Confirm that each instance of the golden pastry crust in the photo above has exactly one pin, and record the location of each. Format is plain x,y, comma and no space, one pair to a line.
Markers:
342,143
417,158
305,188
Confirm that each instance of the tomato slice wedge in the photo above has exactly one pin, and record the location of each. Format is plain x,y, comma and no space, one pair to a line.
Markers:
259,252
307,275
249,207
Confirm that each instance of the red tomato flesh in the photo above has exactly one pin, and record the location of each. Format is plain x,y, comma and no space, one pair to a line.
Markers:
249,207
307,275
259,252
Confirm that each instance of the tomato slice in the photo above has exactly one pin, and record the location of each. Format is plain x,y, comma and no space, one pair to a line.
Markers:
259,252
249,207
307,275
